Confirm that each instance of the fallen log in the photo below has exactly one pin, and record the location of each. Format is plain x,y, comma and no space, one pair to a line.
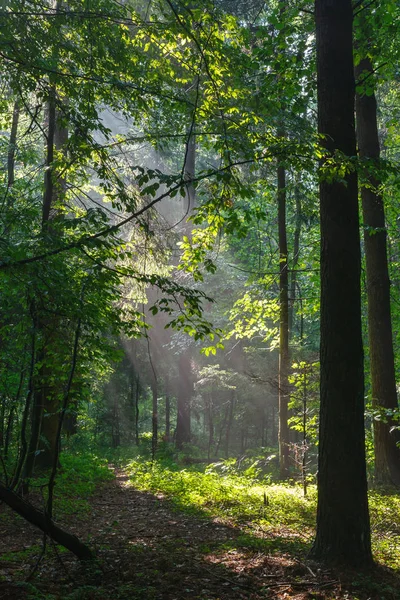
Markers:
40,520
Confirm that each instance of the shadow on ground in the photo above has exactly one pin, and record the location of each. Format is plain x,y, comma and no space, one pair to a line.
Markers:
149,550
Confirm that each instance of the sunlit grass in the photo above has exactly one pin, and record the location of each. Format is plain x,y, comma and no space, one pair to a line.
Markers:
259,506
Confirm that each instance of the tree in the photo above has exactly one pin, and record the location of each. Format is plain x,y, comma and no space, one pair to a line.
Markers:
283,383
343,529
380,334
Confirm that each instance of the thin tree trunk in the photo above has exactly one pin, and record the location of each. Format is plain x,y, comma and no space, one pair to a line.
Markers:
36,420
154,417
184,396
229,424
210,424
343,529
9,428
2,421
49,175
305,445
189,171
185,384
167,413
283,327
383,376
13,145
222,429
296,254
137,396
274,439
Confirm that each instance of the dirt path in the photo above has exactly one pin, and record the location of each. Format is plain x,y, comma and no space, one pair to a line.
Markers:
148,551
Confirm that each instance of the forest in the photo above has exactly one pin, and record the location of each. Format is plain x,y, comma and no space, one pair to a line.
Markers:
200,299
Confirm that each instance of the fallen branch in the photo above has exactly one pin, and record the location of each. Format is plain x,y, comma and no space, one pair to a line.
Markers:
41,520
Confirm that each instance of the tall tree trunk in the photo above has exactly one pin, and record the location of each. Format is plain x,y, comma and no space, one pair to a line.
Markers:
274,439
283,382
343,528
210,418
383,377
137,396
154,416
49,174
167,412
185,386
41,397
12,145
57,137
190,170
296,253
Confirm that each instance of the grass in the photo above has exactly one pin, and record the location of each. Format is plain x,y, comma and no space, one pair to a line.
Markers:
270,520
239,500
77,480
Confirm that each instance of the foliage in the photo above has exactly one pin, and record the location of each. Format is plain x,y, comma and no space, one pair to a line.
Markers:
237,497
257,503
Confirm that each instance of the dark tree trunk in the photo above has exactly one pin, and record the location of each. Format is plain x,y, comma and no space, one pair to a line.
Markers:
273,425
49,175
383,377
2,423
8,432
12,145
190,170
70,422
185,388
343,529
25,415
283,382
49,425
36,420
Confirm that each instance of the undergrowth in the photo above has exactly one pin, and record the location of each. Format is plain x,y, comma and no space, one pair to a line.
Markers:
77,480
257,504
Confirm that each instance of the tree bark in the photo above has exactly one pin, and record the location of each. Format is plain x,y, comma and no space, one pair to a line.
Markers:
343,528
12,145
383,376
283,382
154,416
185,384
296,254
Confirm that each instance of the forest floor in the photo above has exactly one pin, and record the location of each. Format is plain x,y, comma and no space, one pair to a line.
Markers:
149,550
